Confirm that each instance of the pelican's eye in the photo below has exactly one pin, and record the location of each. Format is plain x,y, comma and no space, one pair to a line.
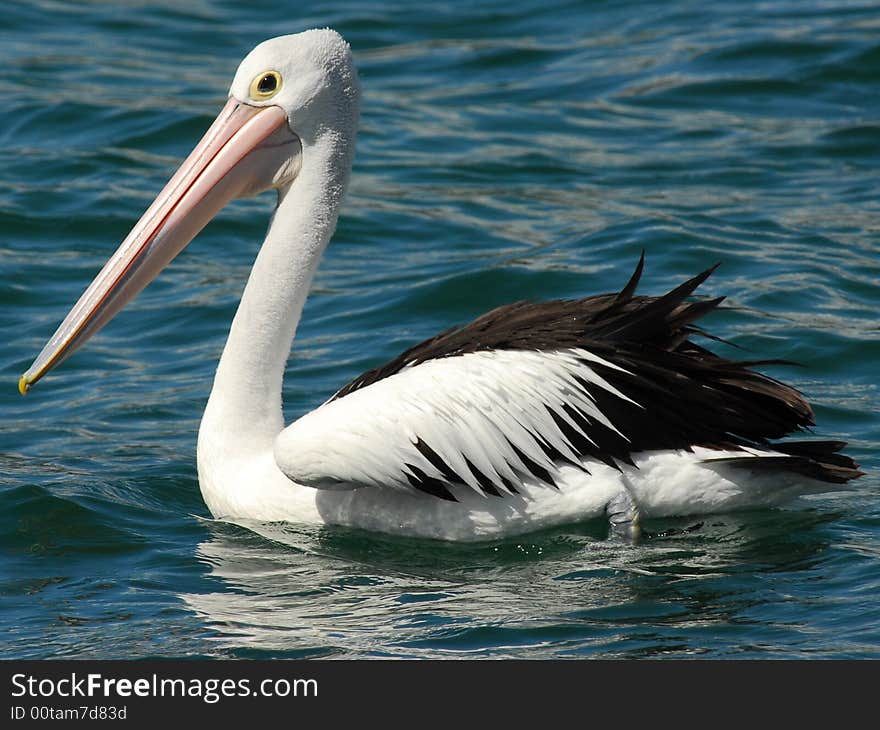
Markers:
265,85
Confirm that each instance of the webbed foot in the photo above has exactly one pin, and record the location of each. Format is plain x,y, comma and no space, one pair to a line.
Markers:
623,517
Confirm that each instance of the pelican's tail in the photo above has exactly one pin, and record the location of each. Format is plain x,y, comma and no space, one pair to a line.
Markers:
818,460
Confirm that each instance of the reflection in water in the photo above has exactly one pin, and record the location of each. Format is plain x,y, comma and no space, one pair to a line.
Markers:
296,592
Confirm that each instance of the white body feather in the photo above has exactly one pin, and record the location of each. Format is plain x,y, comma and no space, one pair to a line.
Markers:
661,484
353,449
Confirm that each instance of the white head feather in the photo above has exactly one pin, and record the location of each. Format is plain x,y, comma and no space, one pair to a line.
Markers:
319,87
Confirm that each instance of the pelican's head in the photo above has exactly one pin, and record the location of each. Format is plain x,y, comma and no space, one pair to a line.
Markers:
310,76
289,95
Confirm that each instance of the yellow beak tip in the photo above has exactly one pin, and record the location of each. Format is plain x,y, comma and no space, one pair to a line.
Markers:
24,385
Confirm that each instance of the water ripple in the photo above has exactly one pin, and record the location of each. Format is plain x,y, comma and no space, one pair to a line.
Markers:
507,150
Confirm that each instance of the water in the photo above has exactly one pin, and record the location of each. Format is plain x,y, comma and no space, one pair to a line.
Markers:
507,150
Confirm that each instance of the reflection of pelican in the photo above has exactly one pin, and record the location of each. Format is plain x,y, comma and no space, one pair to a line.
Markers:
534,414
294,591
306,591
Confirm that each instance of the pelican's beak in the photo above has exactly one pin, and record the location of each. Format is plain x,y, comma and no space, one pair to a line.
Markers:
238,156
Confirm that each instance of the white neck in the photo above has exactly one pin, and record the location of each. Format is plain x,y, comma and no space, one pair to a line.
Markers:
244,413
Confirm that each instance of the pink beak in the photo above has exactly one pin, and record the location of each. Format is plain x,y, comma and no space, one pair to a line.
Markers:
237,156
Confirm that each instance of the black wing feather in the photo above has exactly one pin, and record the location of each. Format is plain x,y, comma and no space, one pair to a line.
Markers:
684,395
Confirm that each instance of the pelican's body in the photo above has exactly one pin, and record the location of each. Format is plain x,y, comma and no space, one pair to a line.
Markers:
532,415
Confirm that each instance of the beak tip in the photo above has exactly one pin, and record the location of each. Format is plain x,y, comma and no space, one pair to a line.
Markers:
24,385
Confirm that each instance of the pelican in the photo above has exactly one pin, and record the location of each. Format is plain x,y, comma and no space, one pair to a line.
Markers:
532,415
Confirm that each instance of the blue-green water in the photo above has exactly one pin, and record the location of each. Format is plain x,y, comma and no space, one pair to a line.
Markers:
507,150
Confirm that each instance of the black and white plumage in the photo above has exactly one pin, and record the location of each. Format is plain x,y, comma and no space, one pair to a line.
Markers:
534,414
529,387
